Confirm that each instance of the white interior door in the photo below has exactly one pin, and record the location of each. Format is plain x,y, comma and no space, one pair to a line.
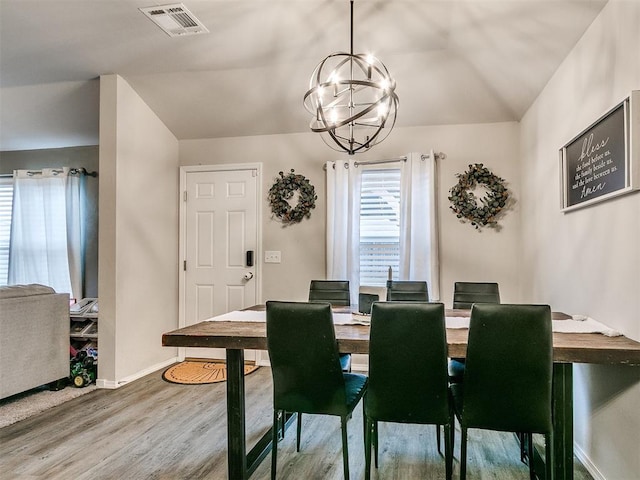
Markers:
219,228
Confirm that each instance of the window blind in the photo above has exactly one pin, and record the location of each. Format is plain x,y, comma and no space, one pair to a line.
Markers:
6,201
379,225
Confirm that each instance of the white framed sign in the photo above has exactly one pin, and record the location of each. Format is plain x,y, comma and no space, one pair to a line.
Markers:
602,161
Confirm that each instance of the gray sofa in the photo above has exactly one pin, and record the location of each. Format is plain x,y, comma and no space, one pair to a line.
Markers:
34,337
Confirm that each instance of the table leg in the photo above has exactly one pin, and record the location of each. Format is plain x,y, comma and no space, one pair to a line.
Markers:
240,463
236,444
563,420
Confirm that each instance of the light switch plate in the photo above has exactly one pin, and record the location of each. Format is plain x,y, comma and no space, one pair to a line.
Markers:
271,256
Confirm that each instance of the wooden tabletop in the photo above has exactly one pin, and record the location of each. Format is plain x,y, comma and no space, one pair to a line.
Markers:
567,347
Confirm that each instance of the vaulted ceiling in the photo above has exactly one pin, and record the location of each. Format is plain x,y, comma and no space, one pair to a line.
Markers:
455,62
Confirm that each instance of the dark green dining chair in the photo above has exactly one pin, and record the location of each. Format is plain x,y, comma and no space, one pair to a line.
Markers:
407,373
508,376
407,291
465,294
306,371
337,293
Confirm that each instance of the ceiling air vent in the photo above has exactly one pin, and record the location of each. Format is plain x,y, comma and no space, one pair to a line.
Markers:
175,20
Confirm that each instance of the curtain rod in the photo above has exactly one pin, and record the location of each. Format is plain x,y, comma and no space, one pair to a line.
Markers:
438,155
72,171
83,171
376,162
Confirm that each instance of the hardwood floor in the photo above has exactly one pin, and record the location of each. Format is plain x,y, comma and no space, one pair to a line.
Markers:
151,429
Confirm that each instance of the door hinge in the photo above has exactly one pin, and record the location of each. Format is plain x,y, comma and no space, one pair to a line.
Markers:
184,196
184,265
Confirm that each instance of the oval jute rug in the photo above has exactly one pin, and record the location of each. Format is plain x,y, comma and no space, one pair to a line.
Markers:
191,372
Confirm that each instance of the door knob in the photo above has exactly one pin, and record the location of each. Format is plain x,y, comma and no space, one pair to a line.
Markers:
248,276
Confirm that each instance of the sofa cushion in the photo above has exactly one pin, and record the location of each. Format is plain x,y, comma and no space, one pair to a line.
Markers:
12,291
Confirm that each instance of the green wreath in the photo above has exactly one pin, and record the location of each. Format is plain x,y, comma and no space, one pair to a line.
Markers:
283,189
464,202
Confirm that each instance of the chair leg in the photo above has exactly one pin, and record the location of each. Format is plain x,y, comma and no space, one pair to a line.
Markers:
453,438
367,447
364,425
519,436
345,447
375,441
529,437
448,450
523,446
298,431
549,459
438,438
463,453
274,444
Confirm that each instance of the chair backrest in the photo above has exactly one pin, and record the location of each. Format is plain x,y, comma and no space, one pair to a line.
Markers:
305,365
408,363
407,291
465,294
509,364
335,292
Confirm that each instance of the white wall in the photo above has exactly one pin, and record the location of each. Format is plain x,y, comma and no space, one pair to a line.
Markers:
44,110
138,259
466,254
588,261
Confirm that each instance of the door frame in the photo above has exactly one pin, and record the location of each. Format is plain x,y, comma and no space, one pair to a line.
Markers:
257,269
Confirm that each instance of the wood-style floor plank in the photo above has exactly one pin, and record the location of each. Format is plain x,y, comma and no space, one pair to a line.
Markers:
151,429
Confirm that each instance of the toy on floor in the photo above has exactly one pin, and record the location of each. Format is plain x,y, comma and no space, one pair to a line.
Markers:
84,368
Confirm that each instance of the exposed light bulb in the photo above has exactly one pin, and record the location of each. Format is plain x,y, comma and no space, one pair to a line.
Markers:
383,109
333,118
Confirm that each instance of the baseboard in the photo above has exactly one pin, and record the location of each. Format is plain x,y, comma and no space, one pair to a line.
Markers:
588,464
112,384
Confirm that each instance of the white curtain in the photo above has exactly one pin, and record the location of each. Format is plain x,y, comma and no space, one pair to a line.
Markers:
419,257
343,224
46,230
74,194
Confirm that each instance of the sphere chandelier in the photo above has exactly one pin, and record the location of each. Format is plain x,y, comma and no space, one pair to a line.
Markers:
352,99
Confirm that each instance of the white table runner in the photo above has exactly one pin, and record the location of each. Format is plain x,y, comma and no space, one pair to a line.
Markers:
578,324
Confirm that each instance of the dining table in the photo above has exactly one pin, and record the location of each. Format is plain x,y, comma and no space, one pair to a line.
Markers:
235,333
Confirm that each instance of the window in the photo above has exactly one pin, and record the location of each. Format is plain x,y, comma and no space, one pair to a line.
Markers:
382,214
6,202
379,225
45,230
